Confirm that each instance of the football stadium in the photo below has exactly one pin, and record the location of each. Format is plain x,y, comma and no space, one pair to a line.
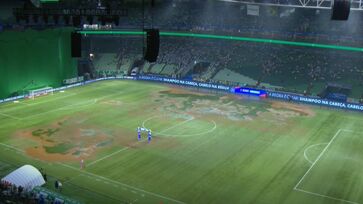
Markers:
181,101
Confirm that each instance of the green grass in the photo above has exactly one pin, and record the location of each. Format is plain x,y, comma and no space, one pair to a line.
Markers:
206,149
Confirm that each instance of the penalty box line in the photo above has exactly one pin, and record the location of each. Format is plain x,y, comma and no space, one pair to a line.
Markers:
318,158
324,196
121,184
12,147
10,116
107,156
82,103
311,167
103,178
110,155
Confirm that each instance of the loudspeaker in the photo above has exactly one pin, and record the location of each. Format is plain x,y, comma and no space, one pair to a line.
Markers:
83,68
76,44
56,19
153,43
340,10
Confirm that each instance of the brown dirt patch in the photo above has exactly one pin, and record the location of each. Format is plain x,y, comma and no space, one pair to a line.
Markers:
38,151
175,90
80,140
84,140
303,110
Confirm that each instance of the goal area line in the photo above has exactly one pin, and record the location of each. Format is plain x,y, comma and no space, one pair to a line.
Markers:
324,196
296,187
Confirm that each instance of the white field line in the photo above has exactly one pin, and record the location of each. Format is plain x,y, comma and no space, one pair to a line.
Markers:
195,134
16,108
9,103
71,105
58,109
121,184
72,94
107,156
325,196
41,102
71,179
51,99
313,164
311,146
64,96
23,103
104,178
182,135
178,124
351,131
10,116
317,159
11,147
61,97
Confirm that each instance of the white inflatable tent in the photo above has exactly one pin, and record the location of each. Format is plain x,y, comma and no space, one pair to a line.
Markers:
26,176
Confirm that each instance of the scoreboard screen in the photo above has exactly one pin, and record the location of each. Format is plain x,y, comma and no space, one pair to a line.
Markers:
250,91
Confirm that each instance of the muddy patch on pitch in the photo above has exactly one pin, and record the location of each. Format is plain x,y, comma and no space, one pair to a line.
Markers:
204,104
69,139
289,107
232,107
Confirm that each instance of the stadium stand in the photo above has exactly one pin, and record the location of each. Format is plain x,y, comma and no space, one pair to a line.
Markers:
298,69
105,61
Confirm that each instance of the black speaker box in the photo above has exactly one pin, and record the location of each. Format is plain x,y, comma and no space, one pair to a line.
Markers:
153,43
76,44
340,10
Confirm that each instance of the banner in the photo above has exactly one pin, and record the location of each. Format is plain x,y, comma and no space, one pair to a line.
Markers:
234,90
250,91
185,82
315,101
73,80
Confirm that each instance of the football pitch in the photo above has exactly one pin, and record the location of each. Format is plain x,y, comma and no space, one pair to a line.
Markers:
206,147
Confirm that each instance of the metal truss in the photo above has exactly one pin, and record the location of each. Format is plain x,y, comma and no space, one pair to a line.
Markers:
310,4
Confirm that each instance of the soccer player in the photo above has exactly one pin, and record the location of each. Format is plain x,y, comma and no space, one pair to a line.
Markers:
60,186
149,136
138,134
82,164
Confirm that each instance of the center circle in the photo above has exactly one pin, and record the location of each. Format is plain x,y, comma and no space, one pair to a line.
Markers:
185,120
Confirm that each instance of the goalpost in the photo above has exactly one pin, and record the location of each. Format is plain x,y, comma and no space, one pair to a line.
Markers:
40,92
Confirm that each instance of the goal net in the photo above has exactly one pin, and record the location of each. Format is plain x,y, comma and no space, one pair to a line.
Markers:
40,92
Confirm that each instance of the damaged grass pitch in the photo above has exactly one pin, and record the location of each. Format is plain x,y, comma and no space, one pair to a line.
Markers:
61,148
40,132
